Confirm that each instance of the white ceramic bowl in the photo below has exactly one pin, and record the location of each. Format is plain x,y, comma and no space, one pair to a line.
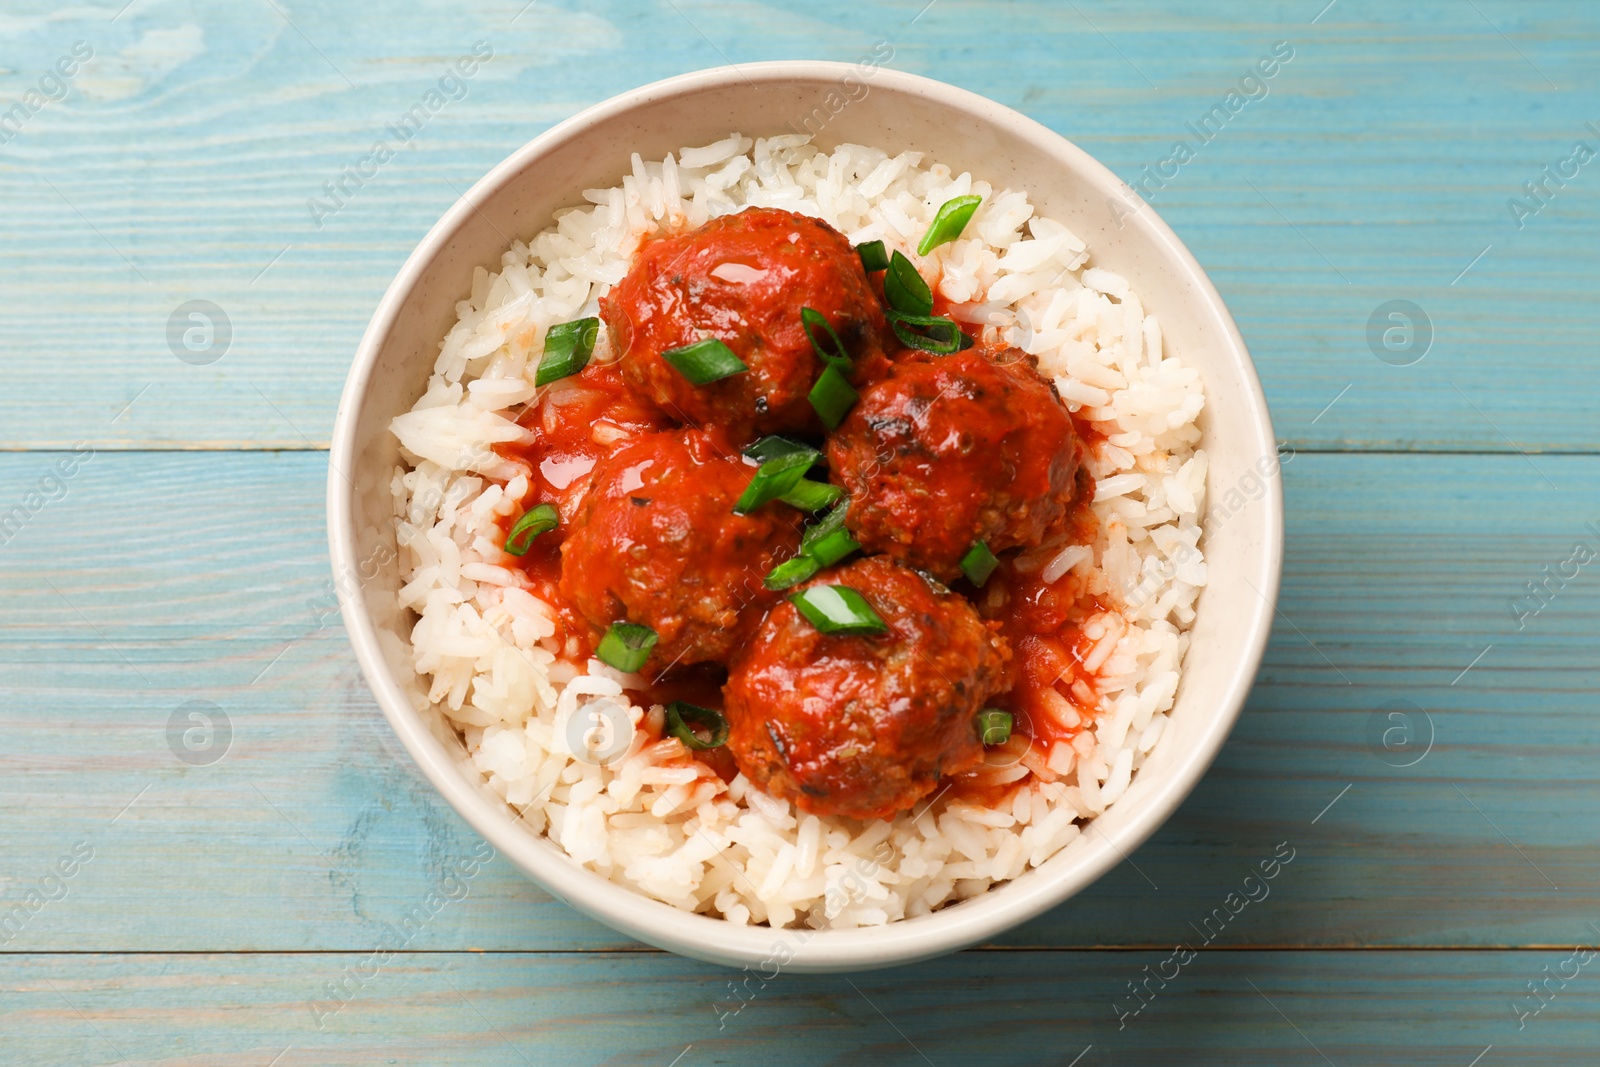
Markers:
892,111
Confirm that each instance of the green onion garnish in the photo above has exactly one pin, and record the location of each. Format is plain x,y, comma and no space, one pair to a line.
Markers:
947,225
927,332
567,348
626,646
808,495
904,288
978,563
823,544
681,713
705,361
829,523
832,397
828,347
773,479
541,518
791,572
768,448
874,257
994,726
831,549
838,609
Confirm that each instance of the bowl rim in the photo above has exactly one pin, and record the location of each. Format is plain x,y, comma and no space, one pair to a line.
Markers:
716,940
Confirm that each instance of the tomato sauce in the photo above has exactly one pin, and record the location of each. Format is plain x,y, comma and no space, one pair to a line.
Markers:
582,419
744,279
575,423
1053,695
1044,624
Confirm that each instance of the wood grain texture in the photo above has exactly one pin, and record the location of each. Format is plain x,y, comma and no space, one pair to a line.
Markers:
1444,860
1378,165
313,831
1232,1009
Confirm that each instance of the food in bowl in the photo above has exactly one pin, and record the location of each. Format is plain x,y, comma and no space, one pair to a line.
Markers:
803,537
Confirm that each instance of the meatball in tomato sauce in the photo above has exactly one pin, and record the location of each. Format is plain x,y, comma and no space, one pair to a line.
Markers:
743,279
655,542
865,725
950,450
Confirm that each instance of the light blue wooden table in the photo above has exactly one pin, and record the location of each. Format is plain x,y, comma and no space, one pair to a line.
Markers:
163,545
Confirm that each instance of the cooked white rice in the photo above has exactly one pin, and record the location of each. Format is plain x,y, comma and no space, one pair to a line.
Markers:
641,812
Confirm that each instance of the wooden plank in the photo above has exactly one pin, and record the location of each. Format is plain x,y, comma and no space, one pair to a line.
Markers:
1378,165
164,578
475,1010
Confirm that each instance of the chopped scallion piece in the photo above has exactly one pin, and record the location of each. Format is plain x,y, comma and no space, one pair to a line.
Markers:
994,726
904,288
626,646
831,549
773,479
823,544
541,518
824,340
874,257
947,225
683,717
808,495
838,609
705,361
829,523
567,348
927,332
791,572
833,396
770,448
978,563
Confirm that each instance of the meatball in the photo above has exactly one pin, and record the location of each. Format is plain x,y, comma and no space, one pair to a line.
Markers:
655,542
865,726
743,279
951,450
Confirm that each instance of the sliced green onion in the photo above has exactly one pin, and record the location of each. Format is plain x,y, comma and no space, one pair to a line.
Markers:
831,549
904,288
994,726
829,523
874,257
681,713
824,543
927,332
705,361
978,563
808,495
541,518
838,609
773,479
626,646
833,396
769,448
567,348
814,320
947,225
791,572
966,341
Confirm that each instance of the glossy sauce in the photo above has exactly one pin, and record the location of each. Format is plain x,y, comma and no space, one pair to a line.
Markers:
743,279
1053,696
582,419
1042,622
576,421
